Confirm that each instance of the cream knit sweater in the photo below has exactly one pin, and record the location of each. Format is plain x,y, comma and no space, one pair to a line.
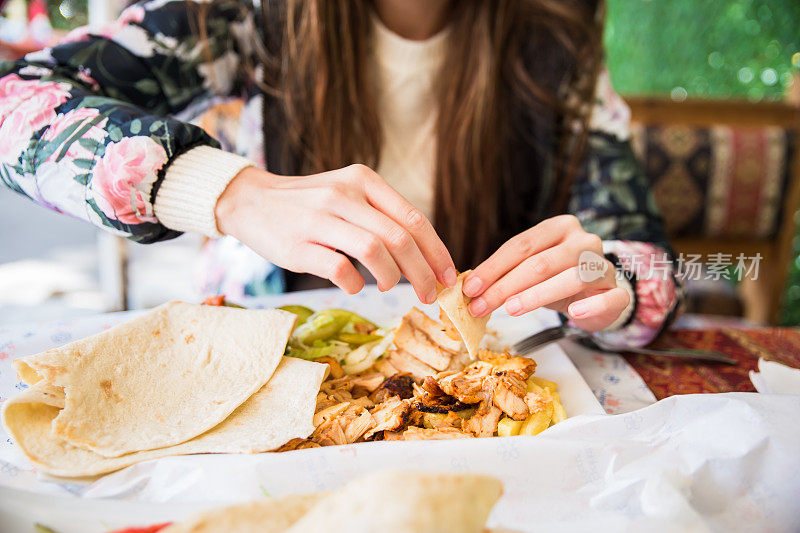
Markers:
404,76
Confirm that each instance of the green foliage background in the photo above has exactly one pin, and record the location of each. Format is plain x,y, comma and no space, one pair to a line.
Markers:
703,48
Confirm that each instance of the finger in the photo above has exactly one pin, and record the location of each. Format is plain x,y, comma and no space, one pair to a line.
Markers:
329,264
559,287
544,235
608,303
530,272
362,245
399,242
392,203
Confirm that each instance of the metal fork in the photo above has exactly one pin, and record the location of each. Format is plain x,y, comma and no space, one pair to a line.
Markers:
549,335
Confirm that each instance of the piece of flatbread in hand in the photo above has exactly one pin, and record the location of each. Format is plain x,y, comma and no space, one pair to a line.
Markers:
280,411
161,378
453,303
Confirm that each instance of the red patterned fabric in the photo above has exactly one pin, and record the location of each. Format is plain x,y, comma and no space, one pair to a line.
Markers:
667,376
717,181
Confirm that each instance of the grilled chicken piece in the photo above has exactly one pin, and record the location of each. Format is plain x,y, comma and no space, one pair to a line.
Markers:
404,362
434,400
390,435
401,385
467,385
415,433
484,422
384,367
505,363
536,401
369,382
329,413
434,330
440,420
508,394
416,343
358,427
390,415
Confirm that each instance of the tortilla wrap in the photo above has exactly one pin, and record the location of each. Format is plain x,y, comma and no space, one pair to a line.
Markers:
453,302
161,378
282,410
406,502
389,502
274,515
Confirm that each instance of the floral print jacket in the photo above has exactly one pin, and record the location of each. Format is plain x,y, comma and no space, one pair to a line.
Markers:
90,127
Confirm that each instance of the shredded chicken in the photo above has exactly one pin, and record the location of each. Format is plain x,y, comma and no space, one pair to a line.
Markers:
404,398
509,395
484,422
401,385
390,415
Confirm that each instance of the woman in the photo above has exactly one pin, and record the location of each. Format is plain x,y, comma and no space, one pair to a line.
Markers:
373,118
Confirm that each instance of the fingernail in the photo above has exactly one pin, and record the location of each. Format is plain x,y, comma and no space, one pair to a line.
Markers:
514,306
472,286
431,296
449,277
477,307
578,309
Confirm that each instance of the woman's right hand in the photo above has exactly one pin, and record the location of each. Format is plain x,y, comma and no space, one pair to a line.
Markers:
308,224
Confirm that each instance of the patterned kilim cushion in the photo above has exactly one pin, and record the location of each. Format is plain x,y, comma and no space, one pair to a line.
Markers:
718,181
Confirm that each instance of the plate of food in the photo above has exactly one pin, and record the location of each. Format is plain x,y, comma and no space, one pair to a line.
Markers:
216,378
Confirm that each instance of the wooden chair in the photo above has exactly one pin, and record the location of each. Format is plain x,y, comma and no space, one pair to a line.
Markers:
725,155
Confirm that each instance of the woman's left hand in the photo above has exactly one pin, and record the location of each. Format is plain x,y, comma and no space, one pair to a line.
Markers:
540,268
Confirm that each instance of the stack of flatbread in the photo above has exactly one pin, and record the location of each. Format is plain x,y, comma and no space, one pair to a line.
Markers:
389,502
180,379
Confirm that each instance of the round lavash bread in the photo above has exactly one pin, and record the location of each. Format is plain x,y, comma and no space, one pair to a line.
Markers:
388,501
281,410
161,378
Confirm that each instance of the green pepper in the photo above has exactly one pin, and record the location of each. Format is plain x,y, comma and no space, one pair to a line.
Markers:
322,325
358,338
226,303
351,316
301,311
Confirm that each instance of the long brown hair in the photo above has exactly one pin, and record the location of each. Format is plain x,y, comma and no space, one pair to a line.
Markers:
318,72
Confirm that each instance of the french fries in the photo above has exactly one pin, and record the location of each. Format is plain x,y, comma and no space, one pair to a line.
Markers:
551,413
508,427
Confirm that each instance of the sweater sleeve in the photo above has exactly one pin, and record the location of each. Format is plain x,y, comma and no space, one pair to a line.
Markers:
92,127
611,198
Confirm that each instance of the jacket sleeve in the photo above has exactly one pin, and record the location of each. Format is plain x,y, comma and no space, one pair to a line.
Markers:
611,198
92,127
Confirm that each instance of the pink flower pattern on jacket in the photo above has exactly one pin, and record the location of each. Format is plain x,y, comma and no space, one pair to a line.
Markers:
26,106
125,175
658,292
63,121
